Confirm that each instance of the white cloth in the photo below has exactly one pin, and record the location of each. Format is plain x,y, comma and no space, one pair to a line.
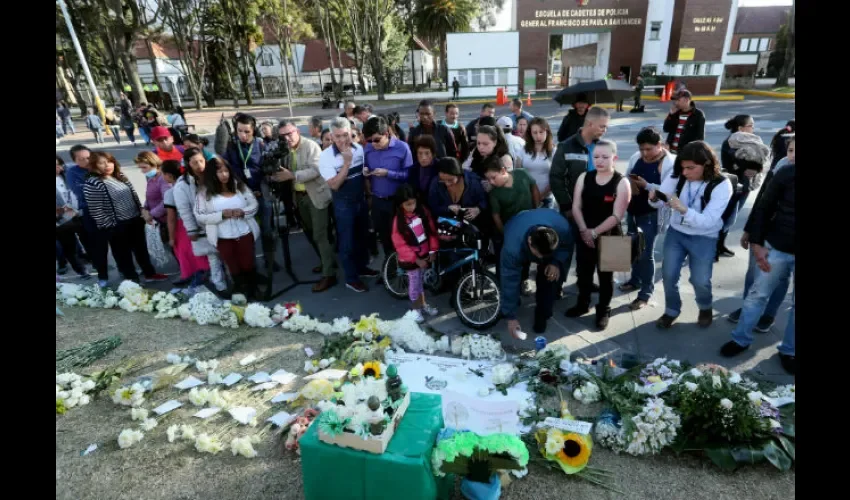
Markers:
209,214
516,145
233,227
537,166
330,163
697,221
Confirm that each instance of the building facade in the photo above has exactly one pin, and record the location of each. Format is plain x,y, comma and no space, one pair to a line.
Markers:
753,40
686,39
483,62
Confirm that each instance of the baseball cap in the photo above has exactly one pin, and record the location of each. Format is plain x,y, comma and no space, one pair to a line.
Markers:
159,132
505,123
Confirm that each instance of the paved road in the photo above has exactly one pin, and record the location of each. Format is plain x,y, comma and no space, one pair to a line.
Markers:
628,331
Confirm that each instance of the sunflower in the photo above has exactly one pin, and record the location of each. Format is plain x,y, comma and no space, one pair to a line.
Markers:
574,455
372,369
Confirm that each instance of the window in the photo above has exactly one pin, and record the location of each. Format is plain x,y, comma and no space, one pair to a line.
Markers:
655,30
476,78
266,59
489,77
708,68
696,69
463,78
744,45
649,70
502,76
764,44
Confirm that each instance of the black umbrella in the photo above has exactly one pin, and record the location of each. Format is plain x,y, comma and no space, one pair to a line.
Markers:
595,91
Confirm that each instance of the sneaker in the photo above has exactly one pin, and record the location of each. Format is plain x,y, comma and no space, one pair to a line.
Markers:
526,288
417,316
732,348
357,286
706,316
102,283
765,324
665,322
628,287
734,316
789,363
637,304
369,273
156,277
430,310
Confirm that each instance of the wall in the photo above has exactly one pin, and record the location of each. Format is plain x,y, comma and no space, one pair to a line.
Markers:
655,51
468,52
424,64
736,40
702,26
275,69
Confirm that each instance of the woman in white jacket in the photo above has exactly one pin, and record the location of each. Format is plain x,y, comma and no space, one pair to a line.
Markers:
647,168
185,191
226,208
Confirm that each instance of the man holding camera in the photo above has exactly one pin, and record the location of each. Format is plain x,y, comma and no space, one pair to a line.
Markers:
312,197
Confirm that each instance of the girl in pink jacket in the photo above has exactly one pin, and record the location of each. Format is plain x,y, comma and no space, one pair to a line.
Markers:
415,240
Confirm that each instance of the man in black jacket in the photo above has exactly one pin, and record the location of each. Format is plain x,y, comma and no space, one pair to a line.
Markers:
772,235
574,119
427,126
472,127
685,123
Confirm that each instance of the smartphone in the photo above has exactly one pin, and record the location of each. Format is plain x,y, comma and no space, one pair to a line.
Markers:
661,196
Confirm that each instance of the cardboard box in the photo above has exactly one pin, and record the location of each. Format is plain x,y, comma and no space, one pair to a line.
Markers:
375,444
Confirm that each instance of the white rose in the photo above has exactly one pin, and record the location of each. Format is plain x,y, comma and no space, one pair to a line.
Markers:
148,424
695,372
691,386
324,364
716,382
726,403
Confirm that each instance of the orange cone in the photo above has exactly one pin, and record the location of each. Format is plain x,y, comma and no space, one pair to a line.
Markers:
500,96
528,101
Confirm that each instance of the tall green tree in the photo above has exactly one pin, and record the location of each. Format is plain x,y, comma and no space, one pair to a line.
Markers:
189,33
487,12
286,19
435,18
789,62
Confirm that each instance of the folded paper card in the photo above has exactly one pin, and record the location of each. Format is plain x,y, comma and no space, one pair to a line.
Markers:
283,377
167,407
243,414
207,412
247,360
264,386
188,383
282,419
231,379
284,397
259,377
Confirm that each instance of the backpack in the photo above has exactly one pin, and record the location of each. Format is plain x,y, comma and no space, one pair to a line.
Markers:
223,134
706,194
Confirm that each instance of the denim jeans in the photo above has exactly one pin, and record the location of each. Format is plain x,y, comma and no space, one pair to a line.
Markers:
643,271
700,253
352,223
781,269
778,295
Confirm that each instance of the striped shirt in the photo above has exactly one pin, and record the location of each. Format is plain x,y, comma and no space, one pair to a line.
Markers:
111,201
683,118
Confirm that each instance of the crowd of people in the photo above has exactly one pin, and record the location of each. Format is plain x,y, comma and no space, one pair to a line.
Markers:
364,184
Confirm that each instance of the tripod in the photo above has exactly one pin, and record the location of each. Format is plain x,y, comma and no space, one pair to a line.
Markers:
270,250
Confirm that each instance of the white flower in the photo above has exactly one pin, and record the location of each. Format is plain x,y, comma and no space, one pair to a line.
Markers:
129,396
588,393
201,366
520,473
716,382
734,378
129,437
243,446
205,443
199,397
324,364
217,399
755,397
691,386
726,403
553,446
148,424
214,378
503,373
309,367
695,372
71,402
187,432
138,413
774,424
212,364
88,385
84,400
172,432
258,315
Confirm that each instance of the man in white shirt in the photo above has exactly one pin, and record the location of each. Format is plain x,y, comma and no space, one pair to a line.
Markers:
341,165
516,145
698,196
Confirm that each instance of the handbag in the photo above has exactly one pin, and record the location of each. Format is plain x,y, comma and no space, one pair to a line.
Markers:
615,253
156,249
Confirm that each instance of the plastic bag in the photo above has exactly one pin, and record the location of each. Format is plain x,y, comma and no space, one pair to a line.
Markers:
156,249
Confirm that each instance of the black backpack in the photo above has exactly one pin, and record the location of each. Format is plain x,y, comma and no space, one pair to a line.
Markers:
706,194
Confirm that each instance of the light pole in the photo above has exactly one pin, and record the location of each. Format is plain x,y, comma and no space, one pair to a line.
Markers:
97,102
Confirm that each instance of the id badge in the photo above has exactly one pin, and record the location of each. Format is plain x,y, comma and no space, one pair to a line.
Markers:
247,173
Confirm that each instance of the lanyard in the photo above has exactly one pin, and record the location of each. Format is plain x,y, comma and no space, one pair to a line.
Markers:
245,159
691,197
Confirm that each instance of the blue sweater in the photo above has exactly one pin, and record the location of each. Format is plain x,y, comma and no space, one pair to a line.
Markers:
253,161
473,196
515,252
75,177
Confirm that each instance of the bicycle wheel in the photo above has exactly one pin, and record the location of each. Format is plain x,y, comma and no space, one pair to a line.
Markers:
394,277
477,299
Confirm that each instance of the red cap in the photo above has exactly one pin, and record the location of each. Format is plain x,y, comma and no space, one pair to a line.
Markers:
159,132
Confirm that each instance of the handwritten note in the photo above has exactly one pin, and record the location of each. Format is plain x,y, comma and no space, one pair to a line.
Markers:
478,415
576,426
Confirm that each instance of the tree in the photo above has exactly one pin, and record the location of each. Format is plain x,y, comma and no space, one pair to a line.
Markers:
789,59
189,32
286,23
438,17
354,26
377,13
486,17
405,11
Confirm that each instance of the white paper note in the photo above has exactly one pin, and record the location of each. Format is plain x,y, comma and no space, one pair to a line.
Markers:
283,377
281,419
259,377
231,379
207,412
188,383
576,426
328,374
308,352
284,397
247,360
167,407
264,386
478,415
243,414
88,450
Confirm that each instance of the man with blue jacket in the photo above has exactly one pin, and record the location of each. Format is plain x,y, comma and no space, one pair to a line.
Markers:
541,236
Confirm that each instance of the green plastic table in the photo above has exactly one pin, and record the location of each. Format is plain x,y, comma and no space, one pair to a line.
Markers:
403,471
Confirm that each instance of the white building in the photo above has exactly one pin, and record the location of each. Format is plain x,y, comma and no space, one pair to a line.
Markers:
483,62
423,63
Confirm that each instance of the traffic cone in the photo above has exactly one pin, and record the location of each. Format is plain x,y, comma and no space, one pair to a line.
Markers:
528,101
500,96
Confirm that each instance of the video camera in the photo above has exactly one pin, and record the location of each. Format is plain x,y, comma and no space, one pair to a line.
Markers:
275,159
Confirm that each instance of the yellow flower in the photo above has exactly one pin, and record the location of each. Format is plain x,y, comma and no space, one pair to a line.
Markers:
565,412
372,369
654,379
239,312
575,454
318,390
367,324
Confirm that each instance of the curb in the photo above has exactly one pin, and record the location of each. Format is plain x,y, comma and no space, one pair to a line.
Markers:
762,93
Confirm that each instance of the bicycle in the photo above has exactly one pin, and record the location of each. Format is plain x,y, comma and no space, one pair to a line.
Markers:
476,297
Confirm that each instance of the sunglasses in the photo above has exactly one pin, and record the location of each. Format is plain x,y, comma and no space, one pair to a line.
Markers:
375,140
